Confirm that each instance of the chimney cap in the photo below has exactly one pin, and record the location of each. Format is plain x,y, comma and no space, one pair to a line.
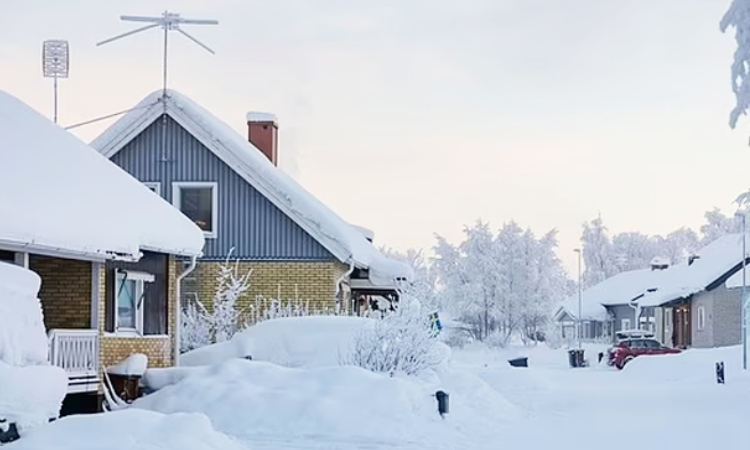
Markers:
255,116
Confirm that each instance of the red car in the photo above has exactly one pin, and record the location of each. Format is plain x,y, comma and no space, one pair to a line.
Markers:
628,349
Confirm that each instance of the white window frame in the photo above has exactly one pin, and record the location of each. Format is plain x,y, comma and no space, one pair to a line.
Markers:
154,186
177,187
140,278
623,326
701,318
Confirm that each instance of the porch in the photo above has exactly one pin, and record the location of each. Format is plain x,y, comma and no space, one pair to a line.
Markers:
76,352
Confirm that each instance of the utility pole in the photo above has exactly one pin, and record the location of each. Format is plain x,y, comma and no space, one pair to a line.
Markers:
578,319
743,303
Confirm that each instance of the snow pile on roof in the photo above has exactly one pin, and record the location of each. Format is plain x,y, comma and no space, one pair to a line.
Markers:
127,430
255,116
619,289
336,235
59,195
315,341
343,406
31,391
715,260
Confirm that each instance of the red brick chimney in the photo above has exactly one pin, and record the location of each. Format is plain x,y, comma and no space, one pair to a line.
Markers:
262,132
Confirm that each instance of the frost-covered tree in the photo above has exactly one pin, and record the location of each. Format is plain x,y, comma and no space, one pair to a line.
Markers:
422,287
717,225
597,252
738,17
403,341
221,319
502,285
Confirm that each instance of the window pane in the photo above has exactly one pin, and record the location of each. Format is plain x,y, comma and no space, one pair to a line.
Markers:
196,203
125,303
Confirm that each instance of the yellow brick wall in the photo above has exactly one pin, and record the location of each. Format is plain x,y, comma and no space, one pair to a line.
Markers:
312,283
160,350
65,292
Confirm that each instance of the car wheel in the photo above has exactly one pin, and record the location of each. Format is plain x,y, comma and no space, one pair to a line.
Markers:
625,361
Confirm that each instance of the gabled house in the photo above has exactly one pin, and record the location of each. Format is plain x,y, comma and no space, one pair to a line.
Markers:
103,244
697,302
610,306
230,186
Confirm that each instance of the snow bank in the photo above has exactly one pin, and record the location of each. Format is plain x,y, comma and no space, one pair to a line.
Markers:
258,401
23,338
127,430
135,364
314,341
55,180
31,391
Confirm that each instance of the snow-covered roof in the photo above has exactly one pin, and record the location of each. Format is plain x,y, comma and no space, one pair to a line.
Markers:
714,261
616,290
331,231
61,197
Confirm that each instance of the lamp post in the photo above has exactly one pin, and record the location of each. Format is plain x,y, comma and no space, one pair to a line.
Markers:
578,319
743,301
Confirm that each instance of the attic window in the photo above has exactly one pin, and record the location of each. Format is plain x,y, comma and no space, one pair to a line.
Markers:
199,202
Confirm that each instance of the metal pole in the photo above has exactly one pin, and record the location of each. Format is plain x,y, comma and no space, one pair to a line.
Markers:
743,306
578,322
166,33
55,98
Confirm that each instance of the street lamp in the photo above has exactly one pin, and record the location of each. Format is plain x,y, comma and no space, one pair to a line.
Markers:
578,321
743,301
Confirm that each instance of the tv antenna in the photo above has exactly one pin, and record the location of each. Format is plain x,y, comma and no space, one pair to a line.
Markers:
55,62
168,21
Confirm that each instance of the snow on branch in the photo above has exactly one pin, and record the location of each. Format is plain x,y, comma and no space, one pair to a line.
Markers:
738,16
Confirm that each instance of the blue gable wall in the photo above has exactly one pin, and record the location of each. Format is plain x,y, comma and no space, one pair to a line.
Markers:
247,220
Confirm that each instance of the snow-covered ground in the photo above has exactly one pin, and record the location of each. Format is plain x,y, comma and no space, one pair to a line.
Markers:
663,402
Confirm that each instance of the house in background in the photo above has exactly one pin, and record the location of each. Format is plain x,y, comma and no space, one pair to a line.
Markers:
697,303
103,245
609,306
229,185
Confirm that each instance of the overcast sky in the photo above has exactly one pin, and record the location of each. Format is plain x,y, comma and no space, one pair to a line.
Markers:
415,117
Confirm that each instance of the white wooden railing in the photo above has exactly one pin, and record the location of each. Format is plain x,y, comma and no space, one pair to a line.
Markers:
76,352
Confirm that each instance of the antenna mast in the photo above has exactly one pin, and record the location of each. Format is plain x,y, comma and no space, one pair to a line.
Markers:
168,22
55,62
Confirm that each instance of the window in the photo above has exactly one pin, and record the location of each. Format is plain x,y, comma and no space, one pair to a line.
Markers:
625,325
129,294
198,201
701,317
154,186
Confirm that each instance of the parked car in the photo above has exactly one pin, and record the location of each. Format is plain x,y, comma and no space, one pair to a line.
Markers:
627,349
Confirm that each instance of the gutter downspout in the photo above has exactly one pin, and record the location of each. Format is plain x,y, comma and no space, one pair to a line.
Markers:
341,280
178,291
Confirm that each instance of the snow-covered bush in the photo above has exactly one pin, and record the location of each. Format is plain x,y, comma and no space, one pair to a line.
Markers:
221,320
404,341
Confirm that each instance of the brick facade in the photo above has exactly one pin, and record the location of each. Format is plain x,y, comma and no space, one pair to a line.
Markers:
159,349
311,283
727,324
65,292
703,337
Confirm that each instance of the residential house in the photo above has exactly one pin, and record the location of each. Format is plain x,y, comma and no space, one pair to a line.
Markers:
103,244
610,306
697,303
296,247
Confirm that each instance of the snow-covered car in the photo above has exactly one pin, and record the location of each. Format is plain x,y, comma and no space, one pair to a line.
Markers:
628,349
31,390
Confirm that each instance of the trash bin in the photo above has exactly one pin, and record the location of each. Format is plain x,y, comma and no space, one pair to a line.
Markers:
575,357
8,432
519,362
127,387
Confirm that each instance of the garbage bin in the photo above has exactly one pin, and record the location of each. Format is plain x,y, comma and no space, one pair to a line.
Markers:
519,362
575,357
127,387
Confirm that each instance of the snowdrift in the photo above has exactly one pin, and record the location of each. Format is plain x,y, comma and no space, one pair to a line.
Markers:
314,341
259,401
31,391
127,430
